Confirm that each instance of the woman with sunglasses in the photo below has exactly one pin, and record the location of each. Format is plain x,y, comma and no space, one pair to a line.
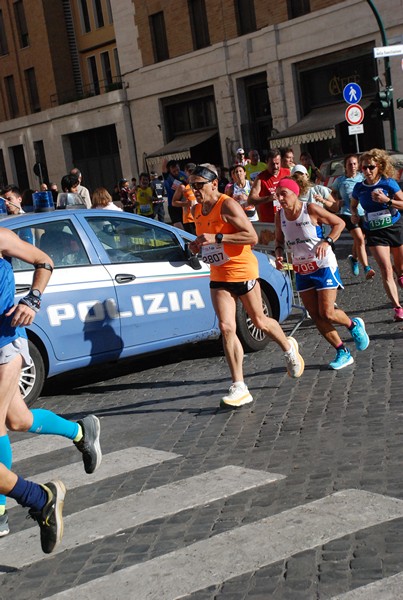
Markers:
225,237
382,199
342,188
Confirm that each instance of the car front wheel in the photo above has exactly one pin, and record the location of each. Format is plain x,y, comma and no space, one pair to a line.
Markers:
252,338
32,378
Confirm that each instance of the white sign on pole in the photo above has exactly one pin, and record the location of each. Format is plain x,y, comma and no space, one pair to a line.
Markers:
388,51
354,129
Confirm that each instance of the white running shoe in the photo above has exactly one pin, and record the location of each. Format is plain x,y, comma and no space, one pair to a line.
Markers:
237,396
294,361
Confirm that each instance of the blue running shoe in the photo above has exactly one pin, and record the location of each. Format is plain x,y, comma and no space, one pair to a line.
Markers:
354,266
359,334
343,359
369,273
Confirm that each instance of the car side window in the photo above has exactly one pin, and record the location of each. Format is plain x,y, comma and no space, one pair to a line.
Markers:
126,240
59,239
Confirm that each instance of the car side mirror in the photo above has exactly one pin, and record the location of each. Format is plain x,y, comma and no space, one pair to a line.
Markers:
192,259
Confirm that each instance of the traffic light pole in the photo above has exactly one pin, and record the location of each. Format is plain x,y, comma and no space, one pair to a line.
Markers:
388,77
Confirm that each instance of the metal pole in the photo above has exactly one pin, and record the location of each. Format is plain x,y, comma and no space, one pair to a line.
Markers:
357,145
388,77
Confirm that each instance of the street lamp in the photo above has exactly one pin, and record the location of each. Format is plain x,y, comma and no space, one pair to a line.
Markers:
388,77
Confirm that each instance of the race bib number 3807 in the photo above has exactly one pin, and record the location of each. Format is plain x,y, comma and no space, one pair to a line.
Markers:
213,254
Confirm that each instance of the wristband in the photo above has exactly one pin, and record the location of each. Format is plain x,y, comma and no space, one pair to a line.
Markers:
32,301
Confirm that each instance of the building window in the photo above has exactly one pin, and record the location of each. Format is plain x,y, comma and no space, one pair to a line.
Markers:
98,14
297,8
199,23
93,73
3,39
195,111
11,96
85,17
3,173
159,37
117,63
21,23
30,81
245,16
106,69
109,11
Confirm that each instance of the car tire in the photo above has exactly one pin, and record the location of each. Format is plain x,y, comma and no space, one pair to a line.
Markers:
32,378
252,338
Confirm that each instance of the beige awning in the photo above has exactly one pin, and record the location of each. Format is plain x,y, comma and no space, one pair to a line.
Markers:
179,148
319,124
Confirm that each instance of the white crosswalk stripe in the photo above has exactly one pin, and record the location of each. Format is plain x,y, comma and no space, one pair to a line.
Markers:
115,463
90,524
244,549
390,588
37,445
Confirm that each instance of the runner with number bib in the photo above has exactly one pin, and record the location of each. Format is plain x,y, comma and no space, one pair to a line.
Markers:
382,199
224,238
299,227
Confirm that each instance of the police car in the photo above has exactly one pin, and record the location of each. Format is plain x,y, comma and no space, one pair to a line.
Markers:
123,285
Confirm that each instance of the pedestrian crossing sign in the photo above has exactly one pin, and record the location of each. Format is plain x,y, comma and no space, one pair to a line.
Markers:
352,93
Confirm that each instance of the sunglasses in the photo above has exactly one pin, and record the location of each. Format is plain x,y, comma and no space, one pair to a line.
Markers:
368,167
198,185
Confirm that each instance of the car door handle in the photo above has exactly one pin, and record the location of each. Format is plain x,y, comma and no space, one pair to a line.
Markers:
124,278
23,287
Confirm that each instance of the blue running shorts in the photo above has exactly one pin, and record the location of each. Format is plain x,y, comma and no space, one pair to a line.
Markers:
327,278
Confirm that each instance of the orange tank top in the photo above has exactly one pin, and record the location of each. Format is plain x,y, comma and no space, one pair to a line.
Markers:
190,197
243,264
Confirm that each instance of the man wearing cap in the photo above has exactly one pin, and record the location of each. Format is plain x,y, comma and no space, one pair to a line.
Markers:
225,237
262,194
317,277
240,157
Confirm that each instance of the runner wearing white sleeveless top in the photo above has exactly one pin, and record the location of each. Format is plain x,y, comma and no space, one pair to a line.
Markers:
299,229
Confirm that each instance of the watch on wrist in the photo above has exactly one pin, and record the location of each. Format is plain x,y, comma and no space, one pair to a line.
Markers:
389,203
330,241
36,293
219,237
46,266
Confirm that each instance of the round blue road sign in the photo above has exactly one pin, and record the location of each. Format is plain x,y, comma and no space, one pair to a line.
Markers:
352,93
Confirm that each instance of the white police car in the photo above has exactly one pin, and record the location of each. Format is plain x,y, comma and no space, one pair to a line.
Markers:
123,285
